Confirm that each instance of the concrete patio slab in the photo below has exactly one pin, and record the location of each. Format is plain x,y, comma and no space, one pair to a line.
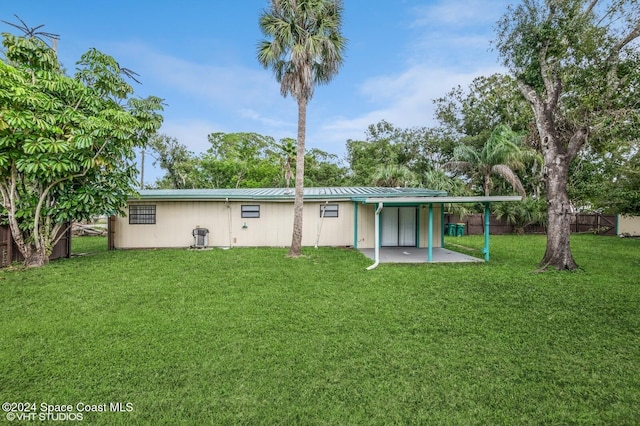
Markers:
418,255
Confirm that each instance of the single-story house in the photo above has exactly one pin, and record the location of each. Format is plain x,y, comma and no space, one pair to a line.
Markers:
359,217
628,225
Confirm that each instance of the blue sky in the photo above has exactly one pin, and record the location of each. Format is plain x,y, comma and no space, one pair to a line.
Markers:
200,56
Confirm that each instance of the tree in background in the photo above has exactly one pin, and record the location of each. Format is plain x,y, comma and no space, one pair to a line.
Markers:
323,169
175,159
287,150
240,160
395,176
531,211
500,155
470,115
239,146
420,150
305,48
577,64
625,191
440,180
365,158
66,144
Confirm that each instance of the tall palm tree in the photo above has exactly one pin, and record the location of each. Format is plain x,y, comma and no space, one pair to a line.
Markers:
304,48
501,155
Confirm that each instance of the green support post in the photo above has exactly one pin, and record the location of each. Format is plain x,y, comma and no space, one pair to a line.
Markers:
355,225
442,223
487,220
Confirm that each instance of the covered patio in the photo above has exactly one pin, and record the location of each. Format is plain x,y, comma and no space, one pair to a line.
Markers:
418,255
430,253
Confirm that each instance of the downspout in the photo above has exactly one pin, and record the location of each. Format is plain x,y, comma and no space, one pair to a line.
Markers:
226,203
376,246
324,211
430,237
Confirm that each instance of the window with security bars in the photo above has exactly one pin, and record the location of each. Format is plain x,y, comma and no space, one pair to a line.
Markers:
328,210
142,215
250,211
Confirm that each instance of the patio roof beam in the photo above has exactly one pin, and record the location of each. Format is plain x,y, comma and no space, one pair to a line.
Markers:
427,200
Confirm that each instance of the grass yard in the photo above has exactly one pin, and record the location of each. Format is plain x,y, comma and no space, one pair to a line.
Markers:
248,336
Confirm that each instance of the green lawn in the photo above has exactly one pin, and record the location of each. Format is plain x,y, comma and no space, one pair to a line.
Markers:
248,336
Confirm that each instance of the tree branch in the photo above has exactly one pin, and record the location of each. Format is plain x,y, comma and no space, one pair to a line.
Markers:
537,104
56,231
591,6
577,141
529,93
552,85
634,34
5,194
613,82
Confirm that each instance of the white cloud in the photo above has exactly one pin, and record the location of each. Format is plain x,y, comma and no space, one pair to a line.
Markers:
407,98
448,48
232,85
191,132
243,98
268,121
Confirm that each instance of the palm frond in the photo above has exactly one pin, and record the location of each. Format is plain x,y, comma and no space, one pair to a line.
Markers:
304,46
33,31
510,176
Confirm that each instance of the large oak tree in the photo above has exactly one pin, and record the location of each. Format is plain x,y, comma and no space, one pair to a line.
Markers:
577,64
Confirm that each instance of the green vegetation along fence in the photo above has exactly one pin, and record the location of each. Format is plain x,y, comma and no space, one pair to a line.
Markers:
594,223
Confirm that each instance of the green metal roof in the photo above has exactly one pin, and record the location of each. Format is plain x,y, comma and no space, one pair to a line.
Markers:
285,194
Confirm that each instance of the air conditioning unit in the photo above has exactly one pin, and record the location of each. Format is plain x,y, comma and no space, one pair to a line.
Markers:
200,237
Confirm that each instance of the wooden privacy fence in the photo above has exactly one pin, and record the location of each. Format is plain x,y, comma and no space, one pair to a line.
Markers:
9,251
595,223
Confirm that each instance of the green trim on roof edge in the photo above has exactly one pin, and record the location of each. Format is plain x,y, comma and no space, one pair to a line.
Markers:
285,194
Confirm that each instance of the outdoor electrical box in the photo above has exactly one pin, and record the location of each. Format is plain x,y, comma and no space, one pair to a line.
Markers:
200,237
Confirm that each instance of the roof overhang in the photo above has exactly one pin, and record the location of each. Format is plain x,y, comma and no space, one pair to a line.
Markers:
429,200
283,194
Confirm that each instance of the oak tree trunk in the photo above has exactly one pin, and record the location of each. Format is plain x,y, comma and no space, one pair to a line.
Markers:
296,238
558,253
558,151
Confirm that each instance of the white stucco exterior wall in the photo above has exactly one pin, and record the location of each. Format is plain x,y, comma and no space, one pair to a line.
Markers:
175,221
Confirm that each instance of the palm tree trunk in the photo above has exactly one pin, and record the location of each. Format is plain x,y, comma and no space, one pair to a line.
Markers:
296,238
487,185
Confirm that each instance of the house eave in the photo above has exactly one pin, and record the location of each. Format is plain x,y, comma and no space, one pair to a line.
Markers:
334,194
444,199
